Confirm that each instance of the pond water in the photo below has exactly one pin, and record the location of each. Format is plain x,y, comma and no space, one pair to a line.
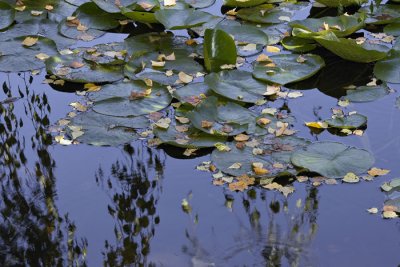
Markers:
122,206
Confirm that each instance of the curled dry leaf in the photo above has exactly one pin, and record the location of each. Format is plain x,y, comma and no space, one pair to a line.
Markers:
30,41
378,172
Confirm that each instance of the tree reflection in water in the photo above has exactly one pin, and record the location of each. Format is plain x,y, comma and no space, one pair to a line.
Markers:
134,186
32,232
279,232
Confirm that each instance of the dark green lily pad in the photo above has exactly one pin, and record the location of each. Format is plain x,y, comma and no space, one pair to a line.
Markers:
366,93
342,3
240,3
288,68
353,121
383,14
388,69
200,3
103,130
182,19
392,29
7,15
154,75
219,49
298,45
237,85
349,49
213,117
91,16
333,160
129,99
106,54
74,68
72,32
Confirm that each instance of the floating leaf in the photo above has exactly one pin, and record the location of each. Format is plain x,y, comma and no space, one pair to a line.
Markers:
333,160
388,69
366,93
353,121
116,99
7,15
287,69
182,19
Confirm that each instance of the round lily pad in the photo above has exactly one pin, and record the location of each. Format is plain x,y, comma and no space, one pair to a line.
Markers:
388,69
130,99
366,93
74,68
7,15
343,3
218,118
103,130
353,121
333,160
174,19
237,85
200,3
288,68
192,93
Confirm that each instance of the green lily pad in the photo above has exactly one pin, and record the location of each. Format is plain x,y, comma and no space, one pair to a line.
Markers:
288,68
298,45
342,3
213,117
219,49
144,43
91,16
237,85
182,19
353,121
241,3
366,93
383,14
72,32
333,160
243,33
192,138
392,29
103,130
15,57
7,15
154,75
341,26
200,3
130,99
192,93
269,13
74,68
388,69
349,49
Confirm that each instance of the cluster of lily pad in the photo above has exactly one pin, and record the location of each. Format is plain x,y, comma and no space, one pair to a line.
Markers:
210,88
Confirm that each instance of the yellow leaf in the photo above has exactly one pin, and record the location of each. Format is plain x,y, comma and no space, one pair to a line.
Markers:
78,106
317,124
30,41
273,49
372,210
157,63
378,172
42,56
241,137
351,178
389,214
169,2
185,78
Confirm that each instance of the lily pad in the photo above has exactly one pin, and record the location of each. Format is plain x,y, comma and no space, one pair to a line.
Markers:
237,85
73,68
288,68
342,3
91,16
298,45
7,15
103,130
388,69
219,49
392,29
213,117
192,93
349,49
106,54
341,26
182,19
333,160
200,3
130,99
241,3
366,93
192,138
353,121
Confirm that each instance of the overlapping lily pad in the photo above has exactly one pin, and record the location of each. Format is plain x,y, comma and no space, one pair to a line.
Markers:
130,99
353,121
388,69
7,15
366,93
288,68
236,85
333,160
213,117
182,19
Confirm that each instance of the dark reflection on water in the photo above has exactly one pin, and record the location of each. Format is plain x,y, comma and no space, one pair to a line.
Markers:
32,231
134,187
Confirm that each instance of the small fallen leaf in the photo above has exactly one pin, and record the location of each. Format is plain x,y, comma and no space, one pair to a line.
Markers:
30,41
372,210
76,65
389,215
206,124
42,56
317,124
273,49
157,63
78,106
169,2
163,123
235,166
351,178
241,137
378,172
185,78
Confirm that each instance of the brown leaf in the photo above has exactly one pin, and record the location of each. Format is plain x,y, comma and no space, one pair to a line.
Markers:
241,137
378,172
206,124
30,41
76,65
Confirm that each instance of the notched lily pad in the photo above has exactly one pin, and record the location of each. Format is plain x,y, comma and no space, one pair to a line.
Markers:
333,160
353,121
366,93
